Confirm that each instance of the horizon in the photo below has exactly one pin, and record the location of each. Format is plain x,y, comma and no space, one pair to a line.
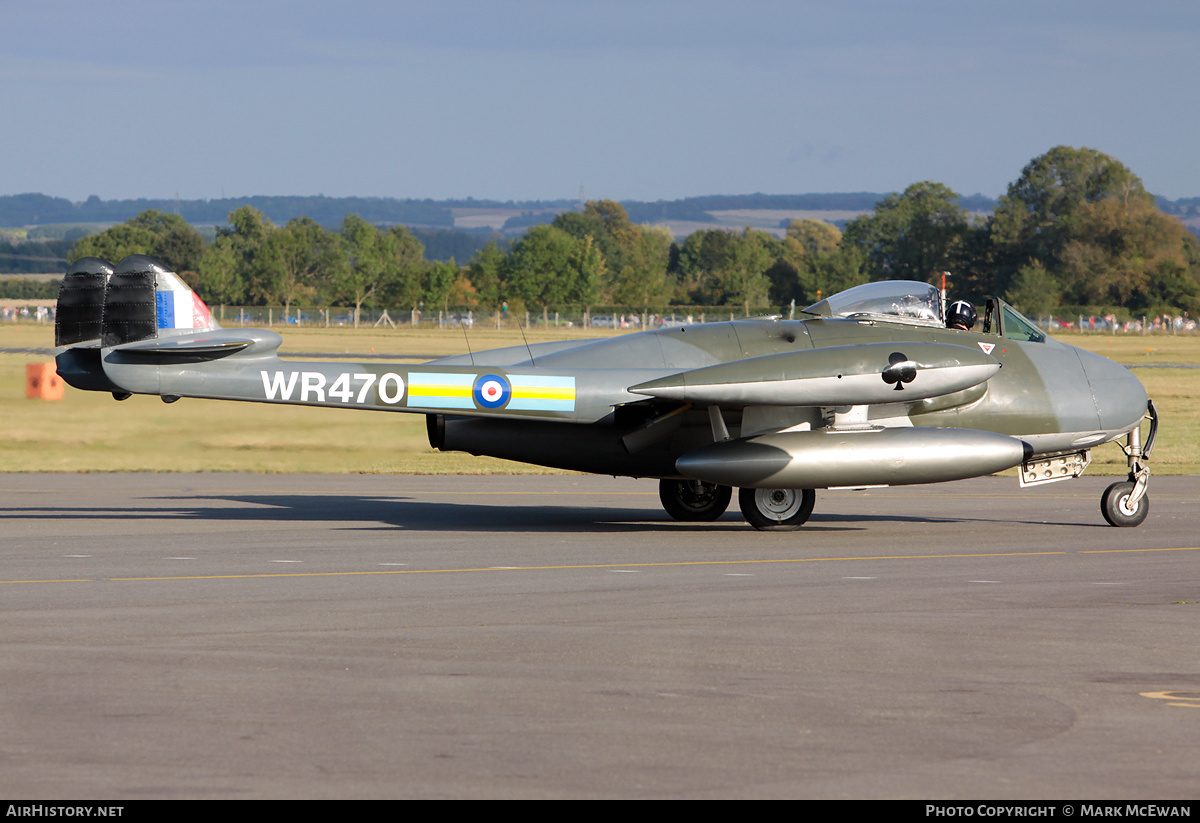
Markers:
516,203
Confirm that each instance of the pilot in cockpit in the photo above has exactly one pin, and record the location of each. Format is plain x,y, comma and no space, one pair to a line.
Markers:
960,315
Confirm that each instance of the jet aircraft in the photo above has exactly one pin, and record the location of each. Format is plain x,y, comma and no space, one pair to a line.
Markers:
869,389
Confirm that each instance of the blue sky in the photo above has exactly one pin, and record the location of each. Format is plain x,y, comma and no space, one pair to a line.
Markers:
632,100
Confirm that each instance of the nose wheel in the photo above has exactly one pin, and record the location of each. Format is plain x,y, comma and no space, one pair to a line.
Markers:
777,510
1127,504
1119,506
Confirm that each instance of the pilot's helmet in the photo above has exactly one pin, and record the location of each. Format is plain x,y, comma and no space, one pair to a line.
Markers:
961,314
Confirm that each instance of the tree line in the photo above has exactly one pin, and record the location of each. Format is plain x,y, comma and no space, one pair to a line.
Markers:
1076,231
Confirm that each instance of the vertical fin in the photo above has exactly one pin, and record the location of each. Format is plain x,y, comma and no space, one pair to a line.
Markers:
80,314
146,300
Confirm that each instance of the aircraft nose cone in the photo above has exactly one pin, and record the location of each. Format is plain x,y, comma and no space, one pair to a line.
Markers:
1120,397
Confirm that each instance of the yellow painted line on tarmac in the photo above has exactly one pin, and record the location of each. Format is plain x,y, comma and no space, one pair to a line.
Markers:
1185,700
581,566
164,493
1124,551
168,494
77,580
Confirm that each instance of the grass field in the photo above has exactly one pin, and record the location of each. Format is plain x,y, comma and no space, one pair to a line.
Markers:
89,431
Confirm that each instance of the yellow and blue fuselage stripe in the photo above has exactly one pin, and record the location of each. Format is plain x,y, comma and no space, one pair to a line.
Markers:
540,393
515,392
437,390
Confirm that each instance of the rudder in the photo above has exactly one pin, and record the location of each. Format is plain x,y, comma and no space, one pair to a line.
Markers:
80,314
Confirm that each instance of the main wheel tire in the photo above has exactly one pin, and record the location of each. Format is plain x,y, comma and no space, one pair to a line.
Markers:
1116,512
777,510
694,501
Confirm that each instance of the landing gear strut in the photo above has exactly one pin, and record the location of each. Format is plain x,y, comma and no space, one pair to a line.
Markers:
694,500
1127,504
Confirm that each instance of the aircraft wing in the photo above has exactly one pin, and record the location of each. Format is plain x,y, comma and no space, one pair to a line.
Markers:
832,376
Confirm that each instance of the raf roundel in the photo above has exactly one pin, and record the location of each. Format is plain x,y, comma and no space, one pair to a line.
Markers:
491,391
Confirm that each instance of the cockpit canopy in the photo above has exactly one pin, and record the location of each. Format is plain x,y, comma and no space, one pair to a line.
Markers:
896,301
919,304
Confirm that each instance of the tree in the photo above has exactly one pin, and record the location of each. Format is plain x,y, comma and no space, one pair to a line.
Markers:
815,236
786,273
247,238
607,223
296,259
914,235
1034,291
166,236
744,278
115,243
834,272
485,272
701,261
462,292
1120,251
722,266
537,269
438,281
217,280
588,273
378,261
1078,223
644,282
1040,213
404,266
364,273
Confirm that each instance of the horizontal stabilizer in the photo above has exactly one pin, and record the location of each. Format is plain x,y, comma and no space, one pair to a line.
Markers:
212,345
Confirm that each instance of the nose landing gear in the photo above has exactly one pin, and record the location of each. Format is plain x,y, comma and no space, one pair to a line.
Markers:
1127,504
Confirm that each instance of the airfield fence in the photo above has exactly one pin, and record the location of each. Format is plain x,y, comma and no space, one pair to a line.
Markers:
623,318
604,317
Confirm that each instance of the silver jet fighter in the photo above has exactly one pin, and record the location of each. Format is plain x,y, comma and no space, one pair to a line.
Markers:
870,389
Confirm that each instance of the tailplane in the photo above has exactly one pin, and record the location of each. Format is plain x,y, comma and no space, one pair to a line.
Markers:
99,307
140,299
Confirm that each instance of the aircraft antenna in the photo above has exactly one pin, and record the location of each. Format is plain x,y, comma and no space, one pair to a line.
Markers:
522,328
471,353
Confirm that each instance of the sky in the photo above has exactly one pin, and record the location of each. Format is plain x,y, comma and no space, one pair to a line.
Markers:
532,100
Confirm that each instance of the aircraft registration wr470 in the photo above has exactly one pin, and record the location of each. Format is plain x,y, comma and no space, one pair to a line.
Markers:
869,389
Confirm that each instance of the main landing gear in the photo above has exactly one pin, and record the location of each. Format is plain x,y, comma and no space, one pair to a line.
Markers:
1127,504
775,510
694,500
